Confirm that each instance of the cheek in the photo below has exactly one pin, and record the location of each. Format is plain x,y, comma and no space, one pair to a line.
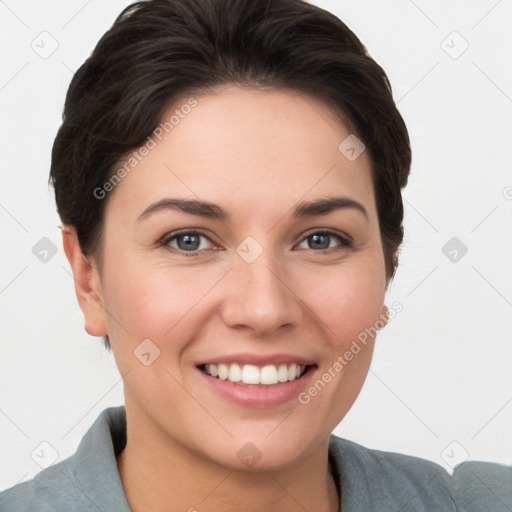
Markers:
349,301
154,301
350,310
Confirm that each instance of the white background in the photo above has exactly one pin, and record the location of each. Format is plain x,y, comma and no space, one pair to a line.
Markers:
442,367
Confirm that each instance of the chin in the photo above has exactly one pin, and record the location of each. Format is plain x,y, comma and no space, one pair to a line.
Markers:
258,453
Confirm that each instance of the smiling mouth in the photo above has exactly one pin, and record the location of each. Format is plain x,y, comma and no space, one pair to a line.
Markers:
249,374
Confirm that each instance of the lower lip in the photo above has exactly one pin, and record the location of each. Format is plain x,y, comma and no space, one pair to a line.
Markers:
259,396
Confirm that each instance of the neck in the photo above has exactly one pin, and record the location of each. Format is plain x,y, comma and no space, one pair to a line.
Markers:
159,474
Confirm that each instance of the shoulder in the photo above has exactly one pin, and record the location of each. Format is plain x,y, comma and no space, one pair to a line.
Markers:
87,480
40,493
378,480
483,487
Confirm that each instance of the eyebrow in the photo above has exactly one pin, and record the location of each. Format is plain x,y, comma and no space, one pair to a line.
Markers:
213,211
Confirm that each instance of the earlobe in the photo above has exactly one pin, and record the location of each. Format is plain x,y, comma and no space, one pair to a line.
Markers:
383,317
87,283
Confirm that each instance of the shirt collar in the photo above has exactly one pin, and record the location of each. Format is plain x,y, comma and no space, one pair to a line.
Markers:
96,472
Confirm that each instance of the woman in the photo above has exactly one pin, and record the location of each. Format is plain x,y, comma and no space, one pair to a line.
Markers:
229,175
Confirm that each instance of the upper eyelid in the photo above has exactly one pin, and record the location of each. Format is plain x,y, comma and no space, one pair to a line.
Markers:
186,231
329,231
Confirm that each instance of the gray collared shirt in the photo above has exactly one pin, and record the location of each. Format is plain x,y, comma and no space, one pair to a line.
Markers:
369,480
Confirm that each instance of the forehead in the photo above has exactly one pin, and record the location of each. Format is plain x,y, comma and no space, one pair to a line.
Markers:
246,149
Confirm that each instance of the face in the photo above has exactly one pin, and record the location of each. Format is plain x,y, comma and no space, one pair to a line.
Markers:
257,284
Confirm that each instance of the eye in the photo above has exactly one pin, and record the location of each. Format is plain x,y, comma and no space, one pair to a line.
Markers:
322,239
186,241
191,241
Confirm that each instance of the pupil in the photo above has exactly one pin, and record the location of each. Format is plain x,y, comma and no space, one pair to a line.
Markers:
190,240
317,238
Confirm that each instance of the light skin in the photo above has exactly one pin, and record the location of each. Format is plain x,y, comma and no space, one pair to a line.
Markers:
256,154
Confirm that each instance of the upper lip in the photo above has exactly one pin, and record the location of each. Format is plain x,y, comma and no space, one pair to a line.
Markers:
258,359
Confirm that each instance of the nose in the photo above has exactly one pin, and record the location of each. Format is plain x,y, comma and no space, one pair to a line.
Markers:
260,296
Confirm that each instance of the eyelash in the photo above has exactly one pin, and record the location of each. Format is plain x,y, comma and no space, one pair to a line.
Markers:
345,241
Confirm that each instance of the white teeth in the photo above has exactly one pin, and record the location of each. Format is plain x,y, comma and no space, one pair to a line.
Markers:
269,375
292,371
214,371
235,373
251,374
223,372
282,373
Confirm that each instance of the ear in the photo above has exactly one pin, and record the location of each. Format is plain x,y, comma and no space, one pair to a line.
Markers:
87,283
383,317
